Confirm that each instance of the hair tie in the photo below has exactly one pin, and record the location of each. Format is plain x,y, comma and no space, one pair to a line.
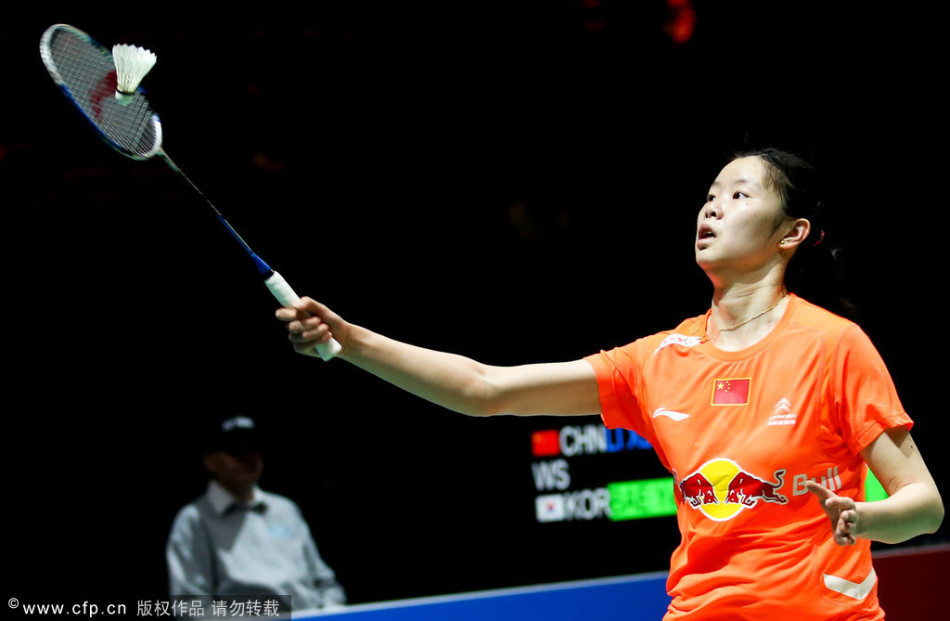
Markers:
821,237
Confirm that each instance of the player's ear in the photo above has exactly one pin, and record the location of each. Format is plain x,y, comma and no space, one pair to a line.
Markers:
795,234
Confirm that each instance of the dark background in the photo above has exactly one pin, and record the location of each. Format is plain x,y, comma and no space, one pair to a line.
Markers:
512,181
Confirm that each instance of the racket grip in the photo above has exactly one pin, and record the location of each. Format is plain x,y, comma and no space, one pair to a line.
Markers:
281,290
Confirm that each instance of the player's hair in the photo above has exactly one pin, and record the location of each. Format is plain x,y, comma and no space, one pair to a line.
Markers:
814,272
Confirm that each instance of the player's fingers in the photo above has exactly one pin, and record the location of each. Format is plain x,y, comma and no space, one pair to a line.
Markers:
304,308
840,503
843,538
851,521
846,527
301,325
286,314
309,305
841,511
309,329
823,493
316,335
310,323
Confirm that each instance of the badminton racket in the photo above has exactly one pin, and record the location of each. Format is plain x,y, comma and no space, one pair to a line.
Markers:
85,72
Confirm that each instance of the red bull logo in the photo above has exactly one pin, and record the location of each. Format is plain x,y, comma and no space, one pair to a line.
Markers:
721,489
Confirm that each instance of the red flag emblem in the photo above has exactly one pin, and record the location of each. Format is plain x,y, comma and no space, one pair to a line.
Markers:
545,443
733,391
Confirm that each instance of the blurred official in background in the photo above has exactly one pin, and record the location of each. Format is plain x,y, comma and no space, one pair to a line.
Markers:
238,540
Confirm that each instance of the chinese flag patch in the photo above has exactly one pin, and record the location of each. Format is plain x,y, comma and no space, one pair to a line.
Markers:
731,391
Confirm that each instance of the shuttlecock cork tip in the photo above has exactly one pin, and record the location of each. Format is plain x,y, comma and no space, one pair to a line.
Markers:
131,65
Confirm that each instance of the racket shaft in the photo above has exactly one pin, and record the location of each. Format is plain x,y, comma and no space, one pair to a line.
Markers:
278,286
282,290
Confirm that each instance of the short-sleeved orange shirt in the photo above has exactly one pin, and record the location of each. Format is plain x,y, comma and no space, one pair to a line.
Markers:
742,432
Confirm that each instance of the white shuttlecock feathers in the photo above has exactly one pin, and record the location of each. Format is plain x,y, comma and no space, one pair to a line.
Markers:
131,65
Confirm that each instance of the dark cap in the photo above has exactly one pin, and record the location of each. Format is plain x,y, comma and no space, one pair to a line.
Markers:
235,435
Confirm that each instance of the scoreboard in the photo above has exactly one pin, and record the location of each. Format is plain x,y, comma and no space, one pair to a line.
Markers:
588,472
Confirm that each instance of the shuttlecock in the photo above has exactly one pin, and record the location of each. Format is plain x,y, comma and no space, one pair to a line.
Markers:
131,65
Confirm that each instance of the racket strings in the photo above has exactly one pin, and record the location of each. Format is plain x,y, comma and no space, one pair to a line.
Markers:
86,70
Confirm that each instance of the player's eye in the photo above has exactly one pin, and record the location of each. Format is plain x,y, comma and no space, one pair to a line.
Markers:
740,194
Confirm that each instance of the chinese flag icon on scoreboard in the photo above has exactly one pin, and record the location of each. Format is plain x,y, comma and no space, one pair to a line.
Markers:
546,443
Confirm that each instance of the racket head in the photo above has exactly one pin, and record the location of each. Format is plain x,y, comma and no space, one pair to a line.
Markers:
85,72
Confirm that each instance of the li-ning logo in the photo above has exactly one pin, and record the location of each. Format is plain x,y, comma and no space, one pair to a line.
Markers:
721,489
677,416
679,339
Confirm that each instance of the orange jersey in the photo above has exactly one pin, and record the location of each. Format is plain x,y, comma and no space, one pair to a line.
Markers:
742,432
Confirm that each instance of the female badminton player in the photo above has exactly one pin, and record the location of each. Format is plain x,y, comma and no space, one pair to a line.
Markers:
767,410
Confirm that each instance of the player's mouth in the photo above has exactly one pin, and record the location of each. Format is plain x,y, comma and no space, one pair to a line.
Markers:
704,234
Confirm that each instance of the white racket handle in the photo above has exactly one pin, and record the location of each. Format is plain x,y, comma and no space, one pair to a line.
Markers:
281,290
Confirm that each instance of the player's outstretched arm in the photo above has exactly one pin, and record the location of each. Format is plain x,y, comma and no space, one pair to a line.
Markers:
913,507
455,382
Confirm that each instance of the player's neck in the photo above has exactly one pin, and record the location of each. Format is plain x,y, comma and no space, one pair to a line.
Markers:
743,314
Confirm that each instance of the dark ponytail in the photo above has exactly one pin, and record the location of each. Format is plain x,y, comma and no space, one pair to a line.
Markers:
814,272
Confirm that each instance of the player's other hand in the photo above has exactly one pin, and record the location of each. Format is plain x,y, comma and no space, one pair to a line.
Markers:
841,510
311,323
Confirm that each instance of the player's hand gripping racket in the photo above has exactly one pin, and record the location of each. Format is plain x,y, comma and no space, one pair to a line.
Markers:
108,96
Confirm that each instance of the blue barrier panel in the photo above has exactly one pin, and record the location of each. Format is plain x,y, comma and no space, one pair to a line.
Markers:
632,598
